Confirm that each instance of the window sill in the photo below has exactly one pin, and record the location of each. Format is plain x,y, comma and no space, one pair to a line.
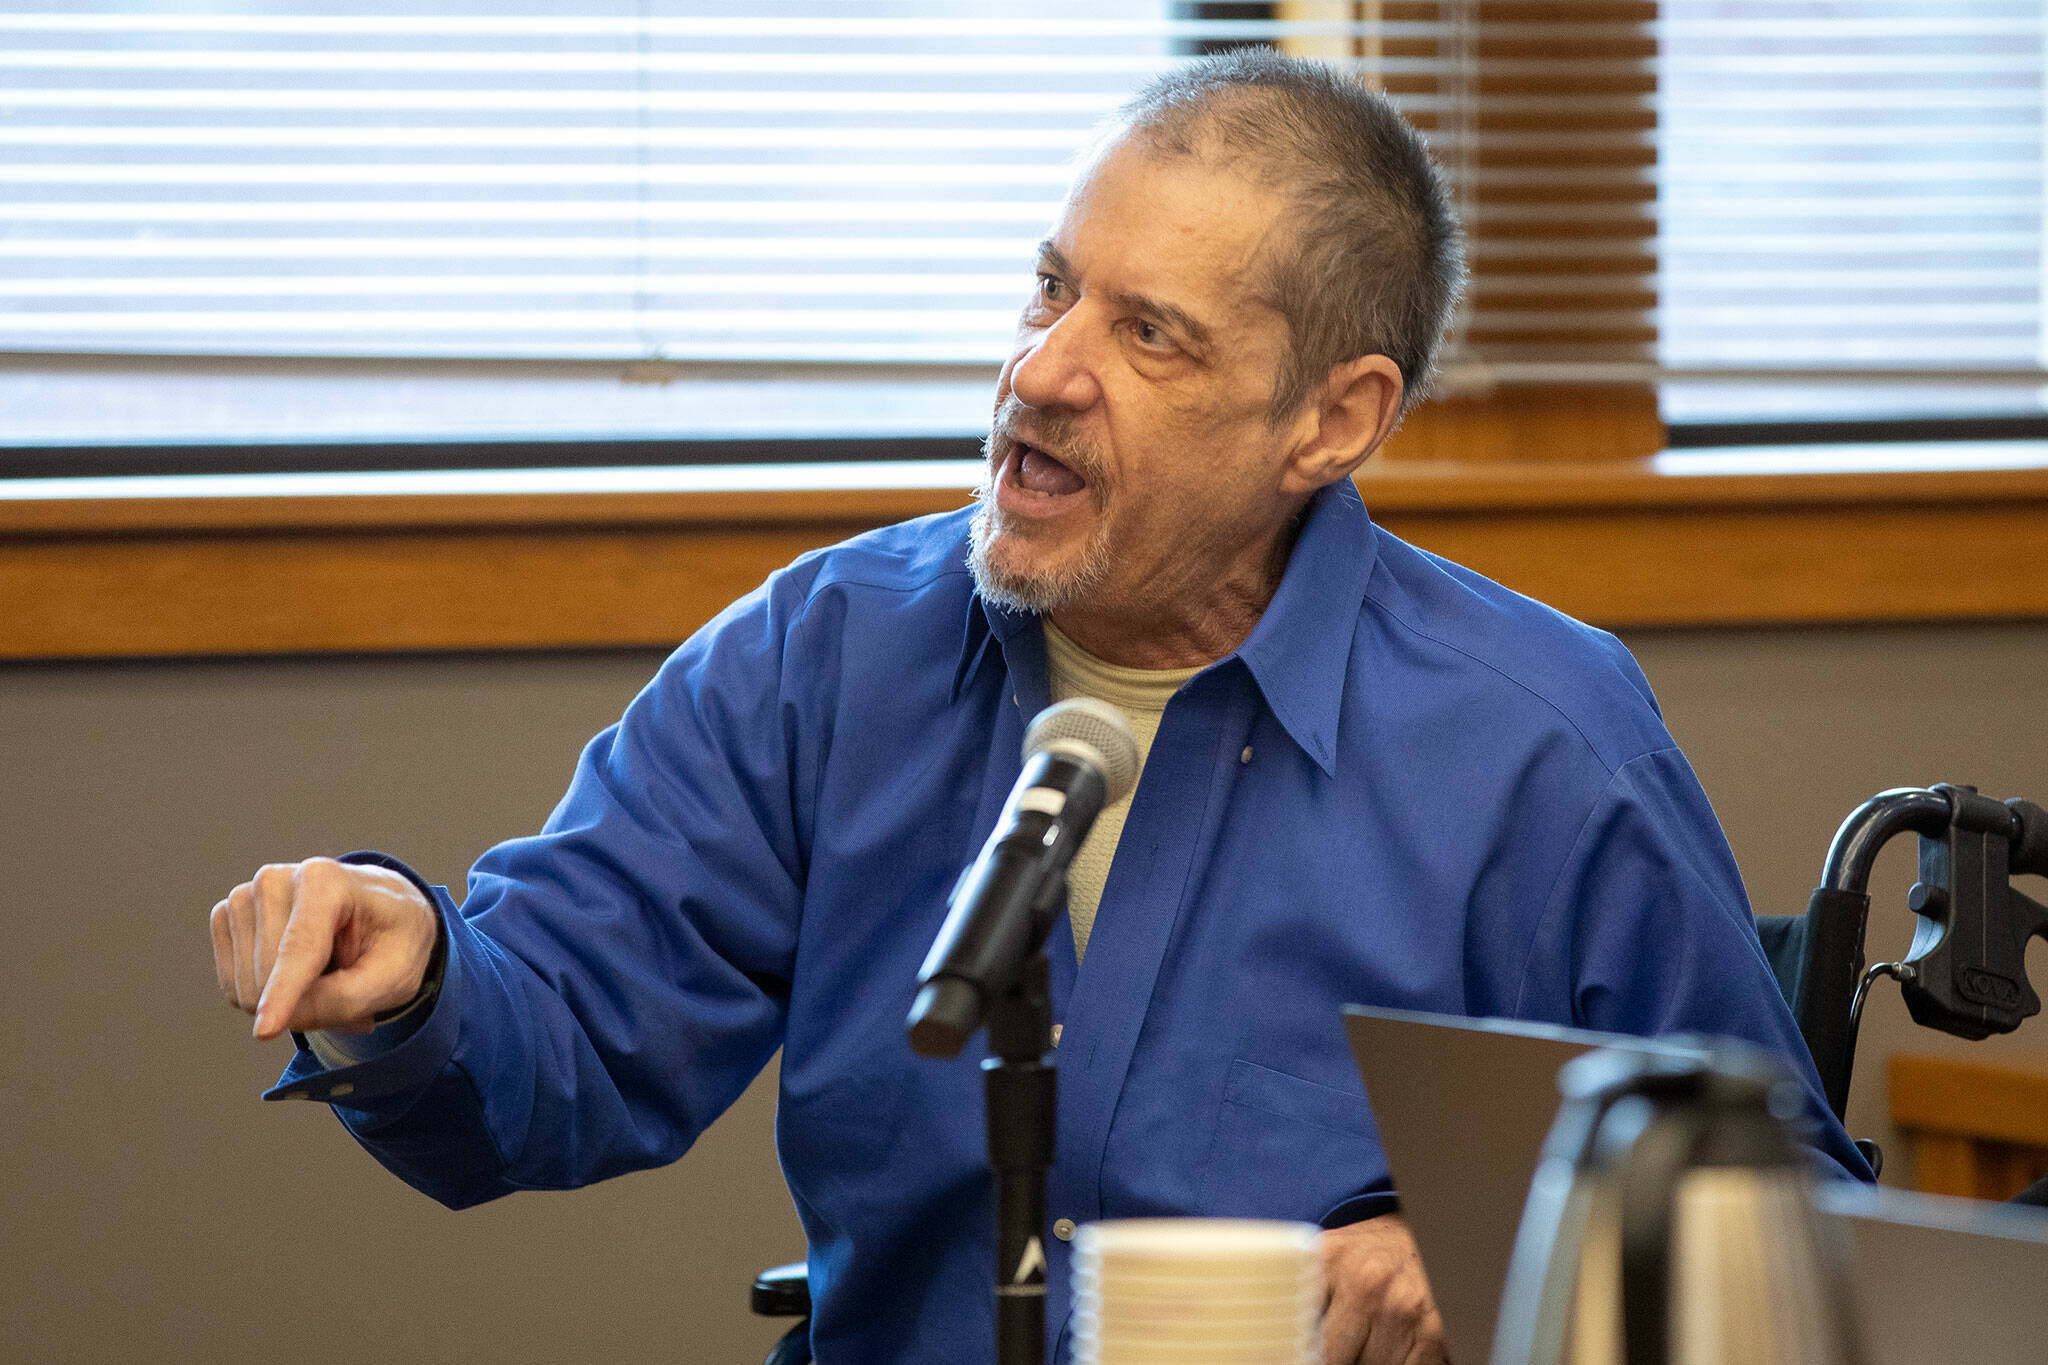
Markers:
640,557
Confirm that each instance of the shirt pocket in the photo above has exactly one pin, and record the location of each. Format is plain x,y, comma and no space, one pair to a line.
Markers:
1286,1147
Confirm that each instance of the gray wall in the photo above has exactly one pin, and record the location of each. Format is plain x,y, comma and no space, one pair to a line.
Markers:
153,1205
154,1209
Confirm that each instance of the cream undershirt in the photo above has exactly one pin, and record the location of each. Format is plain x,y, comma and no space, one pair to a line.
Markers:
1141,695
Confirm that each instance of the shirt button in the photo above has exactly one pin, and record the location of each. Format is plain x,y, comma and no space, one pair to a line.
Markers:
1246,756
1064,1229
1055,1035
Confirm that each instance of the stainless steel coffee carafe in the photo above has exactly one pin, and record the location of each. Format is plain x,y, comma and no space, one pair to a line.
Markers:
1669,1221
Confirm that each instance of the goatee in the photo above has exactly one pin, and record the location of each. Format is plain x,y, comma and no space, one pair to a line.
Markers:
1023,587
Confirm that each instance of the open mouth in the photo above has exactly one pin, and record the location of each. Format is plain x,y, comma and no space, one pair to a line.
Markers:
1036,471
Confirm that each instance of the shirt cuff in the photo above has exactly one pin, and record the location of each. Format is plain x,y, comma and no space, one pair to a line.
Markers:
395,1061
1360,1207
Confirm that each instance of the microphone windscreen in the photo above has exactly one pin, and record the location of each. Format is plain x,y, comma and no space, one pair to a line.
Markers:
1092,730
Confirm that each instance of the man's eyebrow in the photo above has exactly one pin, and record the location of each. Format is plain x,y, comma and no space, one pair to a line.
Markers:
1173,315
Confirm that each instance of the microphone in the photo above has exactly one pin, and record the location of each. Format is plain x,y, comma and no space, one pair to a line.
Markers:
1078,758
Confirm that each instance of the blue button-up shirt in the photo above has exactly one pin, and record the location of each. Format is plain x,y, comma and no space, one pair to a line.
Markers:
1408,787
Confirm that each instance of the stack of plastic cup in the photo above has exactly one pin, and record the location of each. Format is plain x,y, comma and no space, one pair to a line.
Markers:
1197,1291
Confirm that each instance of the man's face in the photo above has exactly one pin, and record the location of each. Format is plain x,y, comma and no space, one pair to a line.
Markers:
1132,469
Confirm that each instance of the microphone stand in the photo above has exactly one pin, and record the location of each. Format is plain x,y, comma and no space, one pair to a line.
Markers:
988,965
994,968
1019,1084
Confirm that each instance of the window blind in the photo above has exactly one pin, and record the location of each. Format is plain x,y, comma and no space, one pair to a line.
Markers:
763,182
1851,192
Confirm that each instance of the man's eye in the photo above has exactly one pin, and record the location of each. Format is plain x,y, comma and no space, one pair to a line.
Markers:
1051,288
1149,335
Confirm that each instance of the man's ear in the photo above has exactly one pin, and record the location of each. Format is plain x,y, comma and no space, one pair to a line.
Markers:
1340,427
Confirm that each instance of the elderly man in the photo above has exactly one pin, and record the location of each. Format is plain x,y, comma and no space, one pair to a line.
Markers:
1371,776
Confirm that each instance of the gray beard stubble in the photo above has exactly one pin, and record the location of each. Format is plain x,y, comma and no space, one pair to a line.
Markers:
1052,590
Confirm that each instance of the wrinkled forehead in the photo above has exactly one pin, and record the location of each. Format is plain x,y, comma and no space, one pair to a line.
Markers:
1193,220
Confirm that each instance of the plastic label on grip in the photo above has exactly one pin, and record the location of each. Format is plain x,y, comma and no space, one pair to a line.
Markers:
1044,800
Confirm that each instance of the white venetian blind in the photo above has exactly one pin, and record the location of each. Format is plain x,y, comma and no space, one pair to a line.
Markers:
1852,189
769,181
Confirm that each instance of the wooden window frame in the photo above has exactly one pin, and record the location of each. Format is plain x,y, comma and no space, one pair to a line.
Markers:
1553,497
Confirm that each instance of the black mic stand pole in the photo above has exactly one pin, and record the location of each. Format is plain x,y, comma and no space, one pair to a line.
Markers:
988,965
1019,1084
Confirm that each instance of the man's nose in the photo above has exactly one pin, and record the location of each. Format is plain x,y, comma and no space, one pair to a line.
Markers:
1057,366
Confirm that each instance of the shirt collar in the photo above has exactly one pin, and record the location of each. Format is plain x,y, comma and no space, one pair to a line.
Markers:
1297,654
1300,650
1014,636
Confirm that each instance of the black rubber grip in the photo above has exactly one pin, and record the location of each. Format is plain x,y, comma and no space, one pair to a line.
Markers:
1832,965
2030,839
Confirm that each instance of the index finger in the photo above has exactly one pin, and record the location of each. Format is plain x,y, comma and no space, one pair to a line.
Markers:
303,952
